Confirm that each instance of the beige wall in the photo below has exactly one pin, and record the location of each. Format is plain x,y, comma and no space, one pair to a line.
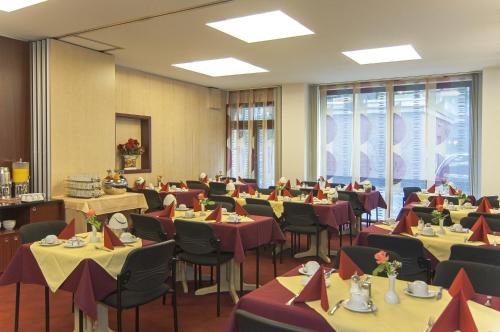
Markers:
87,90
490,159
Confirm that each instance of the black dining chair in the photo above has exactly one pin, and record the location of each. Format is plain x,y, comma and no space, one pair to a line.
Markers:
309,183
149,228
425,213
483,277
492,220
484,255
337,184
142,280
492,199
257,201
300,219
415,265
356,205
265,191
248,322
364,257
224,178
30,233
226,202
407,191
153,200
217,188
249,180
194,184
198,245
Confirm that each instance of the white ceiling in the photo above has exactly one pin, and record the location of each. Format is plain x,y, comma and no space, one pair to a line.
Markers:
451,36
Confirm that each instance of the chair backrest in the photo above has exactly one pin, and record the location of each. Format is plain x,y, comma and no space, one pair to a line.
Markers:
485,255
148,227
492,199
310,183
217,188
147,267
36,231
248,322
486,215
194,184
425,213
153,199
259,210
299,214
408,190
352,198
227,202
468,222
337,184
256,201
266,191
177,184
364,257
484,277
492,220
250,180
195,237
228,177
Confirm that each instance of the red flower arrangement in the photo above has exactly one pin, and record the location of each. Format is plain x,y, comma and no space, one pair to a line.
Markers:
132,147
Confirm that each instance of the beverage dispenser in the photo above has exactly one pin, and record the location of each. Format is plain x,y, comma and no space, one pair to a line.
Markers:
21,177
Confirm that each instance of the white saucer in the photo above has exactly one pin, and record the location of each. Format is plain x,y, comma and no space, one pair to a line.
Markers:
56,243
180,209
464,230
133,240
429,235
186,217
301,271
430,294
346,304
79,245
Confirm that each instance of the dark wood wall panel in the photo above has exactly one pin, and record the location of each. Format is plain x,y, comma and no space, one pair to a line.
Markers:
15,129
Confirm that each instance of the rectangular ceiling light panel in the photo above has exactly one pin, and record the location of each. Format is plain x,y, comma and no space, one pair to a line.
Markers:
221,67
12,5
383,54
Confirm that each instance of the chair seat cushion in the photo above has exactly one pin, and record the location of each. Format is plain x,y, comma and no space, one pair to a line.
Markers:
302,229
210,259
131,299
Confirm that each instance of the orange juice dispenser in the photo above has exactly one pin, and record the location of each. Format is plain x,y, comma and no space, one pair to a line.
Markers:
21,177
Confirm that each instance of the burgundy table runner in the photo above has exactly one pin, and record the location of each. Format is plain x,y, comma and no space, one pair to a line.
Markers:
335,215
183,197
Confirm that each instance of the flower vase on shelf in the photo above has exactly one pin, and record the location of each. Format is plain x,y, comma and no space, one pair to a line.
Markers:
391,297
130,161
94,238
441,229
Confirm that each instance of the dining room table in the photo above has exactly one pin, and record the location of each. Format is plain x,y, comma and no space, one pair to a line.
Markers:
332,215
457,212
437,247
411,314
89,272
248,233
183,196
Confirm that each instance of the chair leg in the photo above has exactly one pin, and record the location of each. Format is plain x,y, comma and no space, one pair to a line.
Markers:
299,236
218,290
174,296
119,319
281,253
164,300
211,275
317,243
328,236
241,279
80,321
195,276
350,233
137,319
16,319
257,267
47,312
274,259
341,229
199,276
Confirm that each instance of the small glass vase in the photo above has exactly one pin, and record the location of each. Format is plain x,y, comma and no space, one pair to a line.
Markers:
391,297
441,229
93,237
202,212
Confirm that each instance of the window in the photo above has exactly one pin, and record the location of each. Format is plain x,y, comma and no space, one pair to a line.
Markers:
251,134
430,122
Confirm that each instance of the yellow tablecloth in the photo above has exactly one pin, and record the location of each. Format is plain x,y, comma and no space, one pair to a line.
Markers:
412,314
77,207
58,262
440,245
198,217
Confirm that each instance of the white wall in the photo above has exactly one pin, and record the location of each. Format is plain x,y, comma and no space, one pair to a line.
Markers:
490,134
294,117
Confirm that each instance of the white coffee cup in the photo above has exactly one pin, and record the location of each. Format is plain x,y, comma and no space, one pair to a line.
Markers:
457,227
428,230
391,221
419,288
358,300
233,217
50,239
224,210
126,236
182,206
189,214
311,267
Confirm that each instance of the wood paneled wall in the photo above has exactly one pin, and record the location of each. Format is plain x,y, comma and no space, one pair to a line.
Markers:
14,101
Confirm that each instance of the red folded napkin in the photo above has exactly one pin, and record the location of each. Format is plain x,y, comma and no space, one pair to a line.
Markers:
240,210
480,231
327,184
168,212
241,180
413,218
347,267
316,186
236,193
182,185
273,196
356,185
309,198
452,191
438,200
432,189
250,190
110,239
349,187
298,182
314,290
288,185
403,226
286,193
413,198
226,180
165,187
141,186
69,231
456,316
196,205
320,194
216,214
462,284
484,206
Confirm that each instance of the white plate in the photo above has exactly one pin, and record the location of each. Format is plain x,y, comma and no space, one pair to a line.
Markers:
130,241
348,306
301,271
464,230
180,209
80,245
56,243
429,235
430,294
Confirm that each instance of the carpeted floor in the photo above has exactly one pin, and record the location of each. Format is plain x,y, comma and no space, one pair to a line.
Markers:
196,313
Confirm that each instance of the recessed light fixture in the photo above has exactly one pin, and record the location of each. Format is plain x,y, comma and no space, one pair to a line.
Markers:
261,27
383,54
221,67
12,5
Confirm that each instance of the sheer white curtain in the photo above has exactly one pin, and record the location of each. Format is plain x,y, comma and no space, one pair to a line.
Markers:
251,134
